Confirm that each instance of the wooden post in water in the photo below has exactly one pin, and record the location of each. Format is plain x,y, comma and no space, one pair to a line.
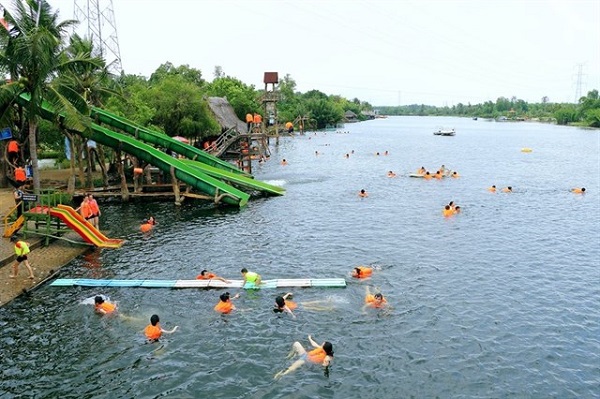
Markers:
121,169
175,187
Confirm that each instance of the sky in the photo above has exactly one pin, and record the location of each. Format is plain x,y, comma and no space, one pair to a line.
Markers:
386,52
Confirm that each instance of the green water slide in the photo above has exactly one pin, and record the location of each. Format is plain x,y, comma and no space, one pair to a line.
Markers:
189,175
235,178
204,161
160,139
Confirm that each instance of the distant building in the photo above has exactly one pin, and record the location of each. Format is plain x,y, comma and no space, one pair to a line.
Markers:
350,117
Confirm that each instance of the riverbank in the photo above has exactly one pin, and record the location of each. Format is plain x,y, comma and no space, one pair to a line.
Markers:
45,261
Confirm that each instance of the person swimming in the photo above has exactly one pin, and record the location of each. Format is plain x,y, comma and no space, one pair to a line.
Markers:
153,331
322,354
492,189
578,190
448,211
283,305
363,193
206,275
103,307
148,224
362,272
376,301
225,306
391,174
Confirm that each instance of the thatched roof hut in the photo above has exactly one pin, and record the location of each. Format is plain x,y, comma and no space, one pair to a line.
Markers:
225,114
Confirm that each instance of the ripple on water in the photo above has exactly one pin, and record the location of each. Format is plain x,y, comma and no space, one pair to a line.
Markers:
500,301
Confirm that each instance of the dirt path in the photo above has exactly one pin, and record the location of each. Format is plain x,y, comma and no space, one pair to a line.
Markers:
45,261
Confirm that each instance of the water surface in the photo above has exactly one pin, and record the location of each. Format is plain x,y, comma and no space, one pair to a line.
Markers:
499,301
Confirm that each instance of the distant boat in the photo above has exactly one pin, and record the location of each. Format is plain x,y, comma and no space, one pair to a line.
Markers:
445,132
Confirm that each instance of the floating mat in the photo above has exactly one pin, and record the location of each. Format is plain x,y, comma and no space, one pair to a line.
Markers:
279,283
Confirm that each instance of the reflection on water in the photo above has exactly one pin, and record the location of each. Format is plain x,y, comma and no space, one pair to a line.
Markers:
499,301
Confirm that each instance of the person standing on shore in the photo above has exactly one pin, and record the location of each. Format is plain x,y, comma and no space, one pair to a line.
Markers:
95,211
21,250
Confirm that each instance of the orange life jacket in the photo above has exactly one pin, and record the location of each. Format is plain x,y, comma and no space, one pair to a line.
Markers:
13,146
364,272
448,212
206,276
249,118
316,355
372,302
291,305
146,227
95,210
153,332
107,307
20,174
224,307
86,210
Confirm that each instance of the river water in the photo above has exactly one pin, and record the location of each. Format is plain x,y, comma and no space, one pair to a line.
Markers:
501,301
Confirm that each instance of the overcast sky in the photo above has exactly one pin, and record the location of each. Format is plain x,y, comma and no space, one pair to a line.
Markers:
394,52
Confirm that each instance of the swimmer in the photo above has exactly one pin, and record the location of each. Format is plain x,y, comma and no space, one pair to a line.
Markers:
507,189
206,275
284,162
456,209
316,152
103,307
391,174
438,175
427,176
421,170
492,189
153,331
347,156
376,301
451,203
578,190
225,305
386,153
250,277
363,193
447,212
322,354
362,272
455,174
283,305
148,224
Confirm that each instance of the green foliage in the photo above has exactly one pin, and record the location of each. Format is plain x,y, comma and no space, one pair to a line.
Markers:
188,74
324,112
243,98
180,108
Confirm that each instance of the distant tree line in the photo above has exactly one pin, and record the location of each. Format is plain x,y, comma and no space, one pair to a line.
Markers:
585,113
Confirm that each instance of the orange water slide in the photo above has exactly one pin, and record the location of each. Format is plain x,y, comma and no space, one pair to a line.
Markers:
84,228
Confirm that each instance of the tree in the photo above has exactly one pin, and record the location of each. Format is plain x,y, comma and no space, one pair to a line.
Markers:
191,75
94,83
243,98
180,109
34,53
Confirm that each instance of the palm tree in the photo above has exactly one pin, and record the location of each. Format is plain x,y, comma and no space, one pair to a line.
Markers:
33,52
95,84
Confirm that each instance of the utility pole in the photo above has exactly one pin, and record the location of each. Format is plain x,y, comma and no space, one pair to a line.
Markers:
98,18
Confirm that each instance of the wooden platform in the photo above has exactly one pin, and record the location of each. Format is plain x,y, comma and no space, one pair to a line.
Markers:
278,283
